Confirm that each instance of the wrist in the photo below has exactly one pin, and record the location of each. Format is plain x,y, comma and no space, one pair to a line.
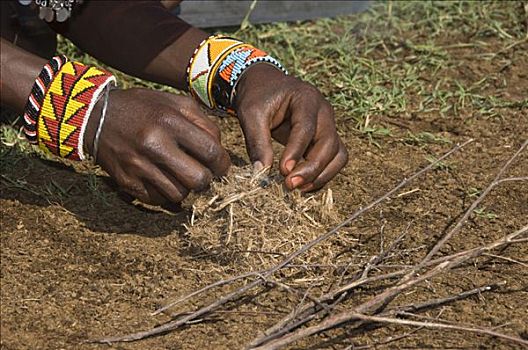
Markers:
169,66
253,77
18,72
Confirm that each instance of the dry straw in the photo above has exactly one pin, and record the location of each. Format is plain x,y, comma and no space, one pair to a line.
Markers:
250,220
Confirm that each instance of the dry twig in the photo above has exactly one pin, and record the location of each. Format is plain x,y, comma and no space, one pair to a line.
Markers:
442,301
390,320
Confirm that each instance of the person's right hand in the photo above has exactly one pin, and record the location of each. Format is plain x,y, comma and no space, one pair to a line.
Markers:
157,146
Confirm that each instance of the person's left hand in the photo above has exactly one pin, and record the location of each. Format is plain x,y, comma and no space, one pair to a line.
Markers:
272,104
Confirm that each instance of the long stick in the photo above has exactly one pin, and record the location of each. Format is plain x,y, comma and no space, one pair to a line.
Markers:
204,289
378,319
473,206
441,301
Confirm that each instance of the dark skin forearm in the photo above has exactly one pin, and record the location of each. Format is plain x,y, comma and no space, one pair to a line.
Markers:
169,66
19,69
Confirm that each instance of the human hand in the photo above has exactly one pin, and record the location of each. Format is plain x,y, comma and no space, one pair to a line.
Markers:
272,104
157,146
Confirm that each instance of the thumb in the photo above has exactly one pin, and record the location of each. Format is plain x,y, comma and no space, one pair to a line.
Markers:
258,139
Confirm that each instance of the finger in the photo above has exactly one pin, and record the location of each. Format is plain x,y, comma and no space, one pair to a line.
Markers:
178,164
302,131
124,179
149,184
323,149
331,170
154,196
158,183
316,160
198,144
137,189
282,132
256,128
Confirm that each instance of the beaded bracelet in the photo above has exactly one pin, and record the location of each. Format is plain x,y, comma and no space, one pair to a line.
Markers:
68,100
36,97
216,66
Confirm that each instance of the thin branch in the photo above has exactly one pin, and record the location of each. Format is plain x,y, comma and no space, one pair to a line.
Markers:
376,259
204,289
387,340
437,325
442,301
282,326
169,326
505,258
474,205
234,312
292,290
512,179
308,312
429,318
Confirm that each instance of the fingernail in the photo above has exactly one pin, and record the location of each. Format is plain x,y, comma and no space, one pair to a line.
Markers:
290,165
296,181
258,166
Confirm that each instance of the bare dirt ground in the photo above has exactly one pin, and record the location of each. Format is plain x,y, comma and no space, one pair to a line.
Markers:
78,262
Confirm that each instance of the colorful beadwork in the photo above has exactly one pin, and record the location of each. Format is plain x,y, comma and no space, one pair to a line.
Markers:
206,57
215,67
66,108
232,68
37,96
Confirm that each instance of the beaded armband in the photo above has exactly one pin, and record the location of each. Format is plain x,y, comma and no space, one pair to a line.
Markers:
216,66
62,100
